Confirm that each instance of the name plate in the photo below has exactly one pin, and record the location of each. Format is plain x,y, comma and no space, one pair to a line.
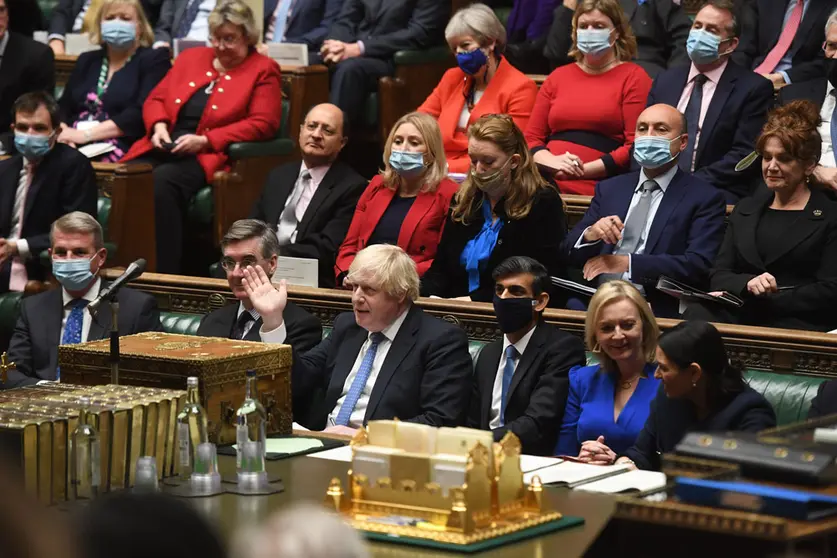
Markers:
301,272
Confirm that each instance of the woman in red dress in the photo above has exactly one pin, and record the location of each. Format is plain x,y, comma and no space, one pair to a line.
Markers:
582,125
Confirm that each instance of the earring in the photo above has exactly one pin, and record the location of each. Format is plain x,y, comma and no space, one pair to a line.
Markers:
596,348
694,384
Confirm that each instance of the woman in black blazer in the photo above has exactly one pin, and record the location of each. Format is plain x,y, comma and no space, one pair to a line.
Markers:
102,102
780,249
503,208
701,392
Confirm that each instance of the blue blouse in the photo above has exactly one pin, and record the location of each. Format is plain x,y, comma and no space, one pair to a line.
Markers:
478,249
589,411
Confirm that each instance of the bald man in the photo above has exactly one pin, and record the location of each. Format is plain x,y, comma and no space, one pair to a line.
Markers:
657,221
311,203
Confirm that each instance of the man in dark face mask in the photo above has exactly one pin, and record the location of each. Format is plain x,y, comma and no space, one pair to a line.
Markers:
826,172
521,380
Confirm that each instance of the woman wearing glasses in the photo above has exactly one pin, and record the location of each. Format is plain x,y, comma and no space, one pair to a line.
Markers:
211,98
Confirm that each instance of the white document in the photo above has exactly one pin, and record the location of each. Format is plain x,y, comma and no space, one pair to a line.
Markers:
77,43
302,272
92,150
288,54
343,453
632,481
825,435
529,463
289,445
574,474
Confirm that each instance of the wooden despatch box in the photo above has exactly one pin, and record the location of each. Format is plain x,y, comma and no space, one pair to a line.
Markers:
165,360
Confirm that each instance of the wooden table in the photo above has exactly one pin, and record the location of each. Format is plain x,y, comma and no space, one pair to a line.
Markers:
306,478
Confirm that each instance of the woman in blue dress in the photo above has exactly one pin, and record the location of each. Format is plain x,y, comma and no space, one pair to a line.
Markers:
609,402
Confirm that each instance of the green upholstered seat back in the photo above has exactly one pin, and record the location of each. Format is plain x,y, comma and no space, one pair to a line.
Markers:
180,322
103,214
790,395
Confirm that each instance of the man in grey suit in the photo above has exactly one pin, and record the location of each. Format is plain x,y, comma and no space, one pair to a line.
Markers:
68,17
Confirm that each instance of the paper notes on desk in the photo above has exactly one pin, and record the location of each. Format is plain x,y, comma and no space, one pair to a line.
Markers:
343,453
572,474
630,481
300,272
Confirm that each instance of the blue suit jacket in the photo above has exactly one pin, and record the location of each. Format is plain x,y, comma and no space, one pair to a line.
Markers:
685,236
309,21
733,122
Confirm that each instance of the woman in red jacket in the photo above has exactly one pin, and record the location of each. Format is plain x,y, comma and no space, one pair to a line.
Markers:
582,126
407,202
212,97
484,83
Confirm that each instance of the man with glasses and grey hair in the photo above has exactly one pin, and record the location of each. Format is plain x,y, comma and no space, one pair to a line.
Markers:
252,244
825,172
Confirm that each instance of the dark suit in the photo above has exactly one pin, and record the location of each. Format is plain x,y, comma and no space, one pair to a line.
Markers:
327,217
34,345
304,330
26,66
64,181
825,402
763,21
671,419
65,14
126,92
661,28
385,27
309,21
684,237
538,235
425,377
733,121
25,17
538,391
805,258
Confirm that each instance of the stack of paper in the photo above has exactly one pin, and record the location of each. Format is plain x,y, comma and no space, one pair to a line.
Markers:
572,474
630,481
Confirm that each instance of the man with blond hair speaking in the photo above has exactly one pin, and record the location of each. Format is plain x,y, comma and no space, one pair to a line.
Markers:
386,359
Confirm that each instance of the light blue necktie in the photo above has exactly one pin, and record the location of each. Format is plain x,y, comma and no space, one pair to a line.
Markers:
360,380
508,372
72,329
281,22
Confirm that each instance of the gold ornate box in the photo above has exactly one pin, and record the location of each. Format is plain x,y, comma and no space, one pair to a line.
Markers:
165,360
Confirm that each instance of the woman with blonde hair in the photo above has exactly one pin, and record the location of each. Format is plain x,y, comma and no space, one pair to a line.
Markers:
583,122
503,208
406,204
608,402
102,102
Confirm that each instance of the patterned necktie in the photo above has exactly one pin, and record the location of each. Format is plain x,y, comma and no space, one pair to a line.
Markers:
768,66
72,329
693,122
508,372
360,380
189,15
240,327
635,225
288,221
18,276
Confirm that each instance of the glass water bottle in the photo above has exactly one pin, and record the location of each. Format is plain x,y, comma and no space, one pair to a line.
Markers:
85,460
191,429
251,421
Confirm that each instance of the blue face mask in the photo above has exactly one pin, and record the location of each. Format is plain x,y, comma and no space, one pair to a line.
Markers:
593,41
118,33
652,152
74,274
32,146
702,46
407,163
471,62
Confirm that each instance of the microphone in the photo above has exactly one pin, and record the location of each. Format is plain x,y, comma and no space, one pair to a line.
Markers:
134,270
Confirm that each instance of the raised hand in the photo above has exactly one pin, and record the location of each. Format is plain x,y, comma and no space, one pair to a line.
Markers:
267,300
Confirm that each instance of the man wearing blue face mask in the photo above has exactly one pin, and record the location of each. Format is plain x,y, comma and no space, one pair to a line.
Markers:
725,104
59,316
657,221
42,182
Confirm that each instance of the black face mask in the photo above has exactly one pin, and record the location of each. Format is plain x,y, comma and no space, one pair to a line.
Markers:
513,314
831,70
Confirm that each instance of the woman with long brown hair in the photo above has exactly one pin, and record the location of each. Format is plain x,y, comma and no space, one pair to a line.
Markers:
503,208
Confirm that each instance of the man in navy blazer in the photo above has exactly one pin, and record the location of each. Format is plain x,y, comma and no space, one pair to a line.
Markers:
734,104
307,23
682,227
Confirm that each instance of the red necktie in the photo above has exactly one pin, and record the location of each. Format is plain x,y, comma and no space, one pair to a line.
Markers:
783,44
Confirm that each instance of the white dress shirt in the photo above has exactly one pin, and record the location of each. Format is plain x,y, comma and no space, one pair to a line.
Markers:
709,87
199,31
465,115
497,392
827,156
663,181
310,188
87,319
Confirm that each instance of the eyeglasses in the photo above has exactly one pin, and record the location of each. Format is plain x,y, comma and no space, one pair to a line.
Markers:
229,264
227,41
829,48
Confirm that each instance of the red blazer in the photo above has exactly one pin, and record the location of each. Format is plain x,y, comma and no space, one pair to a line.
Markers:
509,92
420,231
246,105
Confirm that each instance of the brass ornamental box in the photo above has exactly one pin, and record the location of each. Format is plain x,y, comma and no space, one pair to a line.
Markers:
165,360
